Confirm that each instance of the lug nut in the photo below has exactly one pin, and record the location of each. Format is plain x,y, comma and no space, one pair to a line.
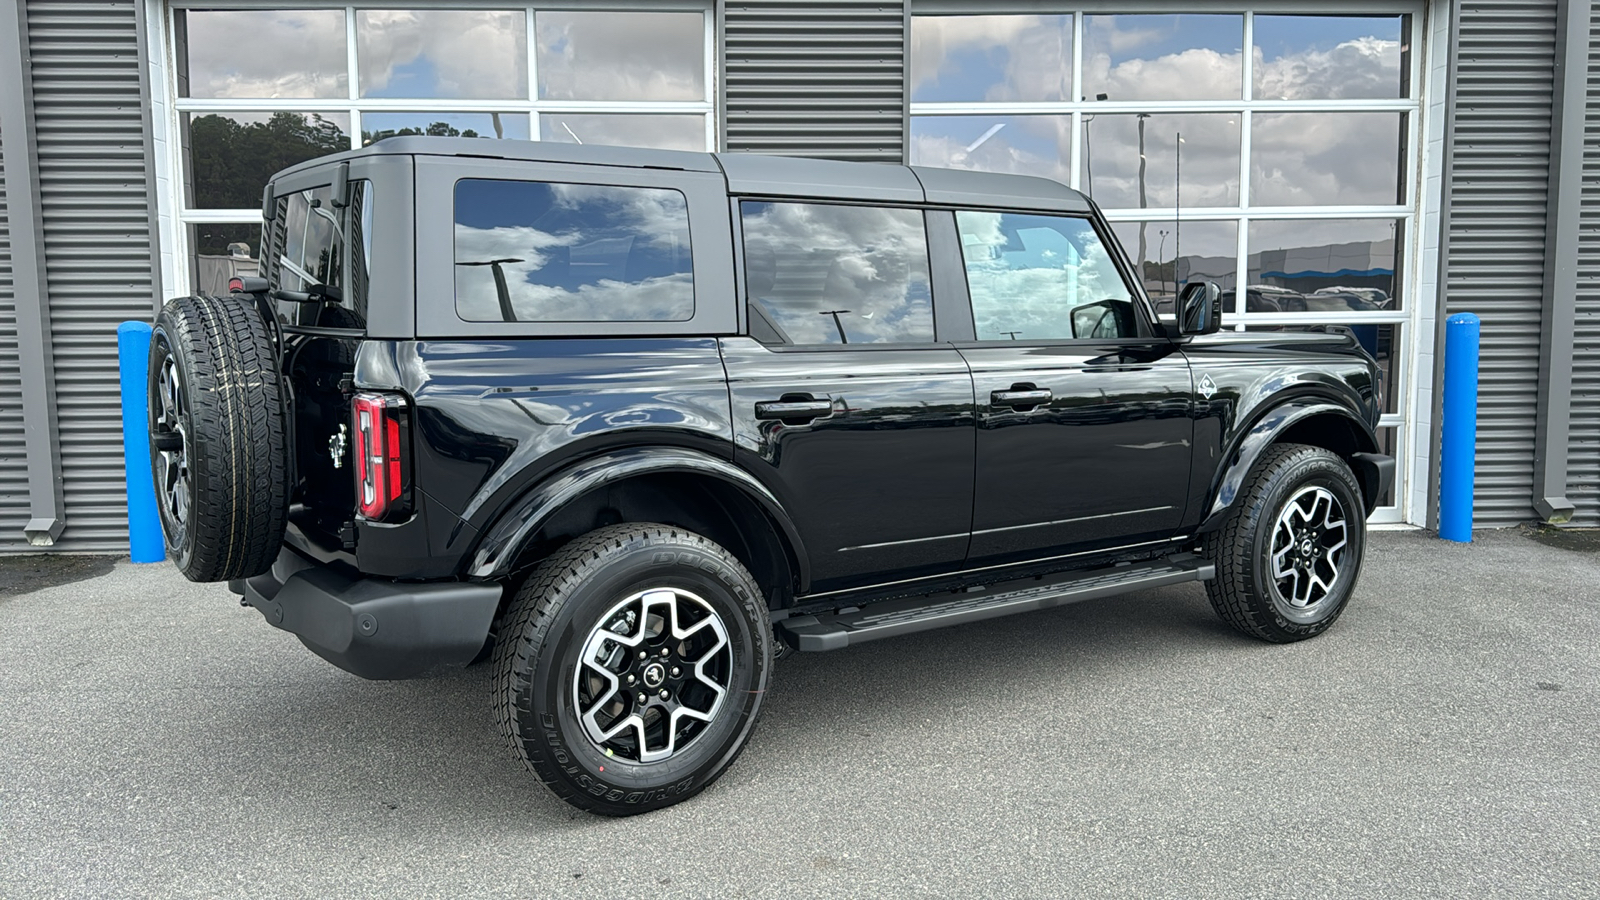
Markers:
675,671
663,693
643,654
663,651
643,698
630,679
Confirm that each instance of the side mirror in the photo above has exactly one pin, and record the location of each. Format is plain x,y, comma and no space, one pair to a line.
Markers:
1199,308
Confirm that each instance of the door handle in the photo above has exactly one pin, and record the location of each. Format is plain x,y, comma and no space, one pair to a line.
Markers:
1021,396
794,409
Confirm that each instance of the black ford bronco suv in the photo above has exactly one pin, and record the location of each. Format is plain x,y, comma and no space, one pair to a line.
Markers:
631,423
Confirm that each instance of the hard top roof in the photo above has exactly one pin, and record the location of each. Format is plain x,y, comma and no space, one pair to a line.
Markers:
758,174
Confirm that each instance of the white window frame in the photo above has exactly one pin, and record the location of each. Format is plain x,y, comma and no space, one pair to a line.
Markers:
1418,258
176,216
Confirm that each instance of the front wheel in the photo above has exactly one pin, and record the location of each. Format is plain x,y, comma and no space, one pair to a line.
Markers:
1289,551
631,667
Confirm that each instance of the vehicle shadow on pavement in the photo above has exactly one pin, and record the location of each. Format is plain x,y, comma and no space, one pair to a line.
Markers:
924,674
430,750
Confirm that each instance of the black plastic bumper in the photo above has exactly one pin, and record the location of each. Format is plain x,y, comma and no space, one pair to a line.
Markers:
1376,472
373,628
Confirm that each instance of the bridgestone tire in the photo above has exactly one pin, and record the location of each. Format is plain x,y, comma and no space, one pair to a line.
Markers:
572,601
1245,593
218,449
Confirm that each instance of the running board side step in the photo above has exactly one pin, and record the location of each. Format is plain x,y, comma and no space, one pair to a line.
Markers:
835,631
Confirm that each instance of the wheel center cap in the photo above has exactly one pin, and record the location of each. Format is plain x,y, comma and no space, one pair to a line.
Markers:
654,675
1305,547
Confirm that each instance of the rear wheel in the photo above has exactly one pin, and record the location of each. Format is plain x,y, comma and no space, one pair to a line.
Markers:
217,448
1289,551
631,666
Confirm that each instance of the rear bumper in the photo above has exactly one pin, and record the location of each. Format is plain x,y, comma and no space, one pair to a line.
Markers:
371,627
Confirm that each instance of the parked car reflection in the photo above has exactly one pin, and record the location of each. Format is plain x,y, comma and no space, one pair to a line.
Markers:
1269,298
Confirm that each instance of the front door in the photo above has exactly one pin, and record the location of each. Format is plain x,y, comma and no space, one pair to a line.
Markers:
1084,428
844,404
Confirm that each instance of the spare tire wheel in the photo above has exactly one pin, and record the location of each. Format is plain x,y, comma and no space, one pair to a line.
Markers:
217,438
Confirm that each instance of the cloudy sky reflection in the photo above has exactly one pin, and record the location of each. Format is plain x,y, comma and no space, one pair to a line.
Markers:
1297,159
440,54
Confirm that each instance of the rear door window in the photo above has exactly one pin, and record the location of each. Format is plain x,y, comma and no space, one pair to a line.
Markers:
821,273
530,251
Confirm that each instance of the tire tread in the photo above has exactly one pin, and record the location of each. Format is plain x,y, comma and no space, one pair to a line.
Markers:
238,457
1236,594
532,614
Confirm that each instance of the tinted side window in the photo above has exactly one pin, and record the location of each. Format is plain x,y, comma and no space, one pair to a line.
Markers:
820,273
1035,277
534,251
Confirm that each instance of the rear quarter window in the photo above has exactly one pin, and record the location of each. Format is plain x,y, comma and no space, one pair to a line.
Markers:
534,251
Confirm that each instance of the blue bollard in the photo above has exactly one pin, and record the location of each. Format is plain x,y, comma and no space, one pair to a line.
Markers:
1458,440
144,526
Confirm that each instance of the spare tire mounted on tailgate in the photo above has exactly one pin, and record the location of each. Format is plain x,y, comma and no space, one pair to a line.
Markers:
217,438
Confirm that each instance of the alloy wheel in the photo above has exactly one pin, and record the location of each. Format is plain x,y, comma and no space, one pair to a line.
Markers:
652,675
1307,553
171,441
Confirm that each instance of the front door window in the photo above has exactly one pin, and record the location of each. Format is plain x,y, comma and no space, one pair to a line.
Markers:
1034,277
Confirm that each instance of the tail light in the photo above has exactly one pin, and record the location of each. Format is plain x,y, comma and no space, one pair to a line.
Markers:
381,462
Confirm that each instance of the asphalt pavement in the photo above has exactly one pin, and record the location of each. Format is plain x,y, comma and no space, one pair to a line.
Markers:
157,740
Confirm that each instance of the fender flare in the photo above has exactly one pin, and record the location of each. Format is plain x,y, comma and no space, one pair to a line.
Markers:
498,549
1266,430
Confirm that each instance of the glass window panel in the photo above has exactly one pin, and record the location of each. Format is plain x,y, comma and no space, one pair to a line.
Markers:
1324,266
442,53
375,126
1163,57
313,242
1035,277
231,155
1021,145
1210,160
1381,340
218,252
545,252
679,132
314,238
261,53
827,274
1331,57
621,55
1326,158
1175,253
995,58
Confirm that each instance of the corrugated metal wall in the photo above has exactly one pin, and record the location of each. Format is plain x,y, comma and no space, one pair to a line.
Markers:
1583,460
822,78
13,458
1495,195
96,228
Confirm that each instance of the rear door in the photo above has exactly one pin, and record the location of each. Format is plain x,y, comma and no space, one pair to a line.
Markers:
1084,430
844,402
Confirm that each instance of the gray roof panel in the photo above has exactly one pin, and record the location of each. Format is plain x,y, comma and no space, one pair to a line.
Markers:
532,151
758,174
963,187
825,179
